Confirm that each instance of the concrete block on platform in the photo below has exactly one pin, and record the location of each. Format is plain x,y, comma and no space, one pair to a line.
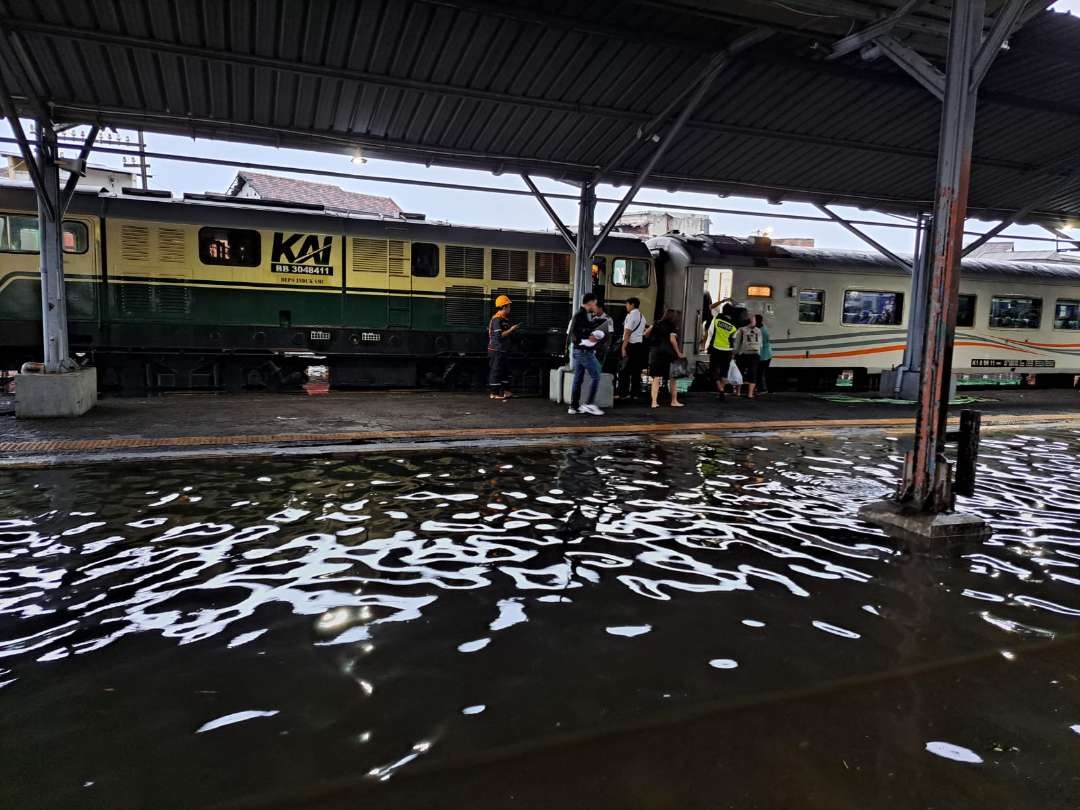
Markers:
561,383
937,531
909,385
71,393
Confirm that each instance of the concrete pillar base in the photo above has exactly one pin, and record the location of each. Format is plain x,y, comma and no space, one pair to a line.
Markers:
909,385
71,393
939,531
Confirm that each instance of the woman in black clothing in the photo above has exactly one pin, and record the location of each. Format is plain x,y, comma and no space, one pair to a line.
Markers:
664,339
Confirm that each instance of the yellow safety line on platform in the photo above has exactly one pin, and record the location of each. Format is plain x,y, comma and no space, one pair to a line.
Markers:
591,428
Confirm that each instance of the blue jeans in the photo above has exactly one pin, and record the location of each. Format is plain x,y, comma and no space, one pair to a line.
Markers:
584,360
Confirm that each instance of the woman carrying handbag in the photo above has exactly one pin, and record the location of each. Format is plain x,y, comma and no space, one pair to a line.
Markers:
664,339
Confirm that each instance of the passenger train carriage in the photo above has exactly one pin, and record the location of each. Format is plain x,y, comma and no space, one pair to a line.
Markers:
223,293
831,310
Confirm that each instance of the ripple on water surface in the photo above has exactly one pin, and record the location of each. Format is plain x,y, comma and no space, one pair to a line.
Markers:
354,607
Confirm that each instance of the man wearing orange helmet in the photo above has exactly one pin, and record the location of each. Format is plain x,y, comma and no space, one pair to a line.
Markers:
499,329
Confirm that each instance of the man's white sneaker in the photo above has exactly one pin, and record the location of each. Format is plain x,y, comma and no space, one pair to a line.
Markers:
572,409
591,409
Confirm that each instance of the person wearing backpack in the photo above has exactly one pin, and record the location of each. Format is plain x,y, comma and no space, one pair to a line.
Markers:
748,342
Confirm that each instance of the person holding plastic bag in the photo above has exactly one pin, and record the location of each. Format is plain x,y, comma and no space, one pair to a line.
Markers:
717,340
748,342
664,339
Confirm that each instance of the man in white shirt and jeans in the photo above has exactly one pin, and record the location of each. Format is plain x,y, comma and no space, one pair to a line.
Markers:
634,353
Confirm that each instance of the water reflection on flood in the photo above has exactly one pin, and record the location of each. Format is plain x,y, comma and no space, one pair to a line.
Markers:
395,609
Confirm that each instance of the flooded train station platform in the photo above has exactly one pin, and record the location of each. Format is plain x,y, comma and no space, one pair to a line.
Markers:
208,425
651,618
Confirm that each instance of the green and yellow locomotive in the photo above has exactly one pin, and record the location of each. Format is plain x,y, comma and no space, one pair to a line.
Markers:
217,292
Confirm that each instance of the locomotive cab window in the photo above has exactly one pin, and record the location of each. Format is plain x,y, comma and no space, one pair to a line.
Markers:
630,273
425,259
1067,314
965,310
230,246
19,234
1015,312
759,291
811,306
873,308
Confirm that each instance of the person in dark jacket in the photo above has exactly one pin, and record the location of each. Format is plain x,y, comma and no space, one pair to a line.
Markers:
499,329
587,339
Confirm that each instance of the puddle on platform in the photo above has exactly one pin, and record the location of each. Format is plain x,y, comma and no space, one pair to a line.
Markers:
184,634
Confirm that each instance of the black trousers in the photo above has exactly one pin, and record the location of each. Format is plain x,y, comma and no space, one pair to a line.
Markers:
763,374
637,357
496,372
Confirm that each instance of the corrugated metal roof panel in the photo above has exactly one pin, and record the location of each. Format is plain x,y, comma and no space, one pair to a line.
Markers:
559,87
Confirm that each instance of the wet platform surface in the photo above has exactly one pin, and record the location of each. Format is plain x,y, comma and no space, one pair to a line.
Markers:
666,623
181,425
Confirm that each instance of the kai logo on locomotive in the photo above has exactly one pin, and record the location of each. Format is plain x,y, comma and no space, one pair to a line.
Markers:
302,258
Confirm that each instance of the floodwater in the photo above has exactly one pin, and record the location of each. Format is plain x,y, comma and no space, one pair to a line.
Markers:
660,625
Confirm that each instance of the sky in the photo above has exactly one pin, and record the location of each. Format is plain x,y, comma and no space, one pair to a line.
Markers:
503,211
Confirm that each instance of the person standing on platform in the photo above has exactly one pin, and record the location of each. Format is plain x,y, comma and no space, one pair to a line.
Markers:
587,337
633,356
664,337
718,341
748,340
499,329
764,357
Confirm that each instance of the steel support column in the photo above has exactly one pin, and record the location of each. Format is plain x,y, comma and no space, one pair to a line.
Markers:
927,484
906,379
50,221
586,242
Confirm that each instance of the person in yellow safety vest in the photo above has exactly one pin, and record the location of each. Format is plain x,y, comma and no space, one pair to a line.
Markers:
718,340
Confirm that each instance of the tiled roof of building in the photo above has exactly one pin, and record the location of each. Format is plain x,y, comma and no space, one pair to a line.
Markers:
286,189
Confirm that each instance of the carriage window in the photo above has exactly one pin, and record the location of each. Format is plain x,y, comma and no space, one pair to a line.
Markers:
630,273
1015,312
425,260
230,246
965,312
1067,314
19,234
811,306
759,291
76,237
873,308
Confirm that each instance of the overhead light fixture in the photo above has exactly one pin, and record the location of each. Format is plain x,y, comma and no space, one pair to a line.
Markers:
358,157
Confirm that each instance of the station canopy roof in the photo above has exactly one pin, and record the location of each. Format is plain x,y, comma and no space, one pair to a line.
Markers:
558,88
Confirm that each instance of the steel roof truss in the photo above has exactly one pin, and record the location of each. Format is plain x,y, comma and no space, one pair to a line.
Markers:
903,263
914,64
1004,24
867,35
571,240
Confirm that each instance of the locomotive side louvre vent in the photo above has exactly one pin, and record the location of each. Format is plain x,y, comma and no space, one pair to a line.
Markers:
464,306
170,243
135,243
369,255
509,265
552,268
551,309
172,299
135,300
398,265
464,262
